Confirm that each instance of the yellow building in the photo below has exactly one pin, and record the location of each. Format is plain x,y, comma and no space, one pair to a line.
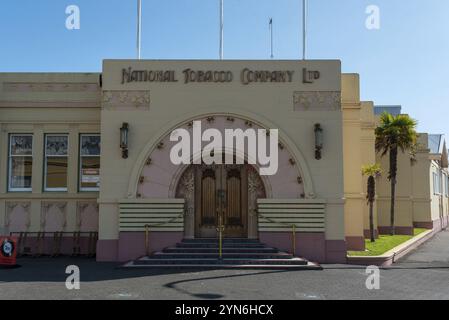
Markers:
87,156
422,185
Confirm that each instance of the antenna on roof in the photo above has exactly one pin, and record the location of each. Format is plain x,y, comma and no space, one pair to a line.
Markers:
271,37
304,28
221,28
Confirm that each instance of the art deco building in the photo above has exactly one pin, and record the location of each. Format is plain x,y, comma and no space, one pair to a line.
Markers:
85,159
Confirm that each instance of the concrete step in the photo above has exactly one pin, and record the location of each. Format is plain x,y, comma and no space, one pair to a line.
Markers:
215,255
237,254
308,266
225,240
226,261
215,250
215,245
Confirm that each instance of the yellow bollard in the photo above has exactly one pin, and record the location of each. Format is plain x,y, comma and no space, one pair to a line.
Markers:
220,230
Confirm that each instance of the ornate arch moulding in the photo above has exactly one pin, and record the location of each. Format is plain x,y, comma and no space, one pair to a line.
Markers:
245,115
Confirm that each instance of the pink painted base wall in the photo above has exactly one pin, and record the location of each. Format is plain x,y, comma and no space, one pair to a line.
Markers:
107,250
355,243
131,245
312,246
47,246
367,234
399,230
433,225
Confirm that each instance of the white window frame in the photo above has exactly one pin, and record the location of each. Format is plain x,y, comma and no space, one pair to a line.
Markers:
46,189
435,183
446,182
10,157
80,158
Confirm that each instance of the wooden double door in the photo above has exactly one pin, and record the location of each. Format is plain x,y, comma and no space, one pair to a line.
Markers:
221,190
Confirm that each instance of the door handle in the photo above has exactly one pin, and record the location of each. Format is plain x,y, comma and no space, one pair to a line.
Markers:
221,194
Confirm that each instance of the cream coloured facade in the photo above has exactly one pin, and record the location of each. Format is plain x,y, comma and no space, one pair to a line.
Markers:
324,196
422,200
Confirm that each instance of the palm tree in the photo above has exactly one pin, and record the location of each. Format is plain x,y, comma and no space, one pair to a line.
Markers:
393,134
372,172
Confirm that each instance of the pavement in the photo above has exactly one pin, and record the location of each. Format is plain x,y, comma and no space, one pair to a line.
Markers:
423,274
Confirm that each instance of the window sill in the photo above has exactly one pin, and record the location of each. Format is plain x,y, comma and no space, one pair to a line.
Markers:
24,196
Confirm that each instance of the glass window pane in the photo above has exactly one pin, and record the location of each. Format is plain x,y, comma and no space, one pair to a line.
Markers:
90,145
56,172
90,172
21,172
56,145
21,145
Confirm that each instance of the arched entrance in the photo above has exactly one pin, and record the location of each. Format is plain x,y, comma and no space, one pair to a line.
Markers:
293,179
226,191
156,177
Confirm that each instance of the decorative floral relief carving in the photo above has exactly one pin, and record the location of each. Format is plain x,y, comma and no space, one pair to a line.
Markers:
317,101
82,208
116,100
186,188
256,190
45,212
11,206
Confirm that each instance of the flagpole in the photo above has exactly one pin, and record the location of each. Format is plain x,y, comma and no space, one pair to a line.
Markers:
139,28
271,37
304,28
221,28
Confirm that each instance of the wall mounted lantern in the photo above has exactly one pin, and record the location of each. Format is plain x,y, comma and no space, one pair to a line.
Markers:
318,141
124,139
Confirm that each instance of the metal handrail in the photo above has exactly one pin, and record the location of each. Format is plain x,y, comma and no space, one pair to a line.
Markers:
220,229
148,226
293,226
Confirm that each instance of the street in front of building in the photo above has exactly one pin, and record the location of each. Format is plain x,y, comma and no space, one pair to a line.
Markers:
424,274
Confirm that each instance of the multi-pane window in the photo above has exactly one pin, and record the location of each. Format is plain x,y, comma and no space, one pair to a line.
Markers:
20,162
446,180
437,188
447,187
90,146
56,161
435,183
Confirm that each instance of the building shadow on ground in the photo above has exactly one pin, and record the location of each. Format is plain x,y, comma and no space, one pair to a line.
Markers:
45,269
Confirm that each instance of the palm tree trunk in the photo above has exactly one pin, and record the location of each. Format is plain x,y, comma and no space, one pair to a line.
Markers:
393,171
371,221
393,200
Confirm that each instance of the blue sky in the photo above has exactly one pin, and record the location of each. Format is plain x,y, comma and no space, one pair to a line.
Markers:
405,62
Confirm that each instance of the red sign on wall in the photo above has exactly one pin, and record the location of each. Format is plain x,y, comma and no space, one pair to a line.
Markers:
8,251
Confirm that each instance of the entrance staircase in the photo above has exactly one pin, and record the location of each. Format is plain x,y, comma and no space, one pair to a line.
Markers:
238,253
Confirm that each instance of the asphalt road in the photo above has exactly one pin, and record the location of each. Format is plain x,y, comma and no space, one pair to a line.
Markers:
424,274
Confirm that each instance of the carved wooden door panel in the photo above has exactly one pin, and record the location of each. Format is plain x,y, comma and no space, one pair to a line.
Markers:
235,209
206,185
